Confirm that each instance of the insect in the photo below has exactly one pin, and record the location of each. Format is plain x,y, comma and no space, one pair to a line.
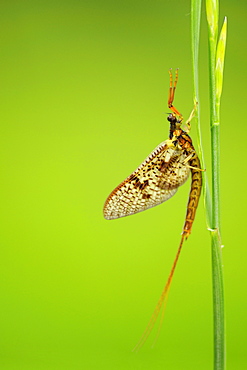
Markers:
156,180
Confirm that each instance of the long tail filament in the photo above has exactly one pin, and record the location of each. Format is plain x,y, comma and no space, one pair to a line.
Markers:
161,303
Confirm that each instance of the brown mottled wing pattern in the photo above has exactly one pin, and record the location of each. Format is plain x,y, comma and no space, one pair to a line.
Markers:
153,182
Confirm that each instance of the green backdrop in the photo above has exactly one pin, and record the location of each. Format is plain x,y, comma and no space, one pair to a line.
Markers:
84,88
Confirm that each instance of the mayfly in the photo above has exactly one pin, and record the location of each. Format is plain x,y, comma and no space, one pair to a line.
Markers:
156,180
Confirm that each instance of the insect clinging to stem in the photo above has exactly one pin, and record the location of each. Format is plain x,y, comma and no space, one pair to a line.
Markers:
156,180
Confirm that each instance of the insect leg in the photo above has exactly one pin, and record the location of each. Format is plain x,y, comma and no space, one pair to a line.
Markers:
187,159
192,115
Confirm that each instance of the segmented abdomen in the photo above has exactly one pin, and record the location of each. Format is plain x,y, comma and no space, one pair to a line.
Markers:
195,192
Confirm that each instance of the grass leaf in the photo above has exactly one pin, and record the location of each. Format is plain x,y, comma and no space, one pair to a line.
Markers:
220,58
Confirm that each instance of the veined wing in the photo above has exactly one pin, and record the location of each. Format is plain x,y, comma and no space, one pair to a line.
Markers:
153,182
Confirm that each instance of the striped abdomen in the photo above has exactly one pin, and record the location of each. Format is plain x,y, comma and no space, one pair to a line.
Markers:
195,192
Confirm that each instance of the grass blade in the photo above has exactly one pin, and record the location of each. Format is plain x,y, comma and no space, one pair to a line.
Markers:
216,67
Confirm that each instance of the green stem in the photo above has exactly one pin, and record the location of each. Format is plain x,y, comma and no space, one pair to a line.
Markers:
195,38
217,268
212,203
218,304
214,125
212,8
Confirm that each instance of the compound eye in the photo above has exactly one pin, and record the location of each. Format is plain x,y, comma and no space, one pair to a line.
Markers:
171,118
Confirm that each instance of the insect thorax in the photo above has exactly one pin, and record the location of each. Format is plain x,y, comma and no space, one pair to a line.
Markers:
182,140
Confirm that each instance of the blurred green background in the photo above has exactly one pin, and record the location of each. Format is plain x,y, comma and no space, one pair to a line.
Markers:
84,88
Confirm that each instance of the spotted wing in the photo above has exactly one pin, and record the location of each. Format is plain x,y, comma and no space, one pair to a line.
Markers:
153,182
